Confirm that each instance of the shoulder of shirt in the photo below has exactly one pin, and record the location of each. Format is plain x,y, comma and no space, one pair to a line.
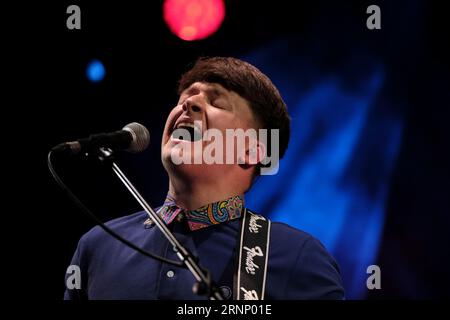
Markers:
120,224
287,234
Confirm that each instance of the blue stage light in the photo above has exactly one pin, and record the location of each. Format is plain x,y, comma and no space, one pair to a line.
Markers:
95,71
334,180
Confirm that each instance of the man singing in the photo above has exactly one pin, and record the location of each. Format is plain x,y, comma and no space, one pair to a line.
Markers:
209,172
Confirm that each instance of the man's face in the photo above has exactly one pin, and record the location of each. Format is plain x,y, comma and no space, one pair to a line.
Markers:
206,106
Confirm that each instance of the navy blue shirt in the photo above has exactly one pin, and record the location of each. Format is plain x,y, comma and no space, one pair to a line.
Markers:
299,266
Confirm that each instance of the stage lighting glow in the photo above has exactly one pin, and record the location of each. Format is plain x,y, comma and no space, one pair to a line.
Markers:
335,177
193,19
95,71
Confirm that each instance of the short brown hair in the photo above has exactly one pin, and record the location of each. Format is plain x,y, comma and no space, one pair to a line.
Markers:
251,84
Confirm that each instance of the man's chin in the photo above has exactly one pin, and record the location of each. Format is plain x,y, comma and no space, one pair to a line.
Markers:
194,172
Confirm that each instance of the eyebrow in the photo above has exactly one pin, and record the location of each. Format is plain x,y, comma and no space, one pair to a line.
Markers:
210,90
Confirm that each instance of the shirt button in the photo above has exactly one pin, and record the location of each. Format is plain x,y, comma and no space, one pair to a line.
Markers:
170,274
226,292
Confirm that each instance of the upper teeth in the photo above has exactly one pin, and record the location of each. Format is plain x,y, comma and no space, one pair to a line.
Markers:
185,124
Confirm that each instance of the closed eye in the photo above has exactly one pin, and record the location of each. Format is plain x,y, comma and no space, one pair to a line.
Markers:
219,104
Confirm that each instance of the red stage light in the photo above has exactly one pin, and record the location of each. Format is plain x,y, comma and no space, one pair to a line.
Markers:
193,19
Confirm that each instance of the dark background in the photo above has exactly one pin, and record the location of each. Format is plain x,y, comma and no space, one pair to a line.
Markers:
144,60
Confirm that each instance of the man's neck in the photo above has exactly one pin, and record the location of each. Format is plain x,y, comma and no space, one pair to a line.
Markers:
193,196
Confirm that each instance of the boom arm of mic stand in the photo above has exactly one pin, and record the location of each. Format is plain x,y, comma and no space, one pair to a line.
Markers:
204,283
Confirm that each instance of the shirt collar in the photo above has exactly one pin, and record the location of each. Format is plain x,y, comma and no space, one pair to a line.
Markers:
205,216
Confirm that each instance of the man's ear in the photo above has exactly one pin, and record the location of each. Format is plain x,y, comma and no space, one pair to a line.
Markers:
255,153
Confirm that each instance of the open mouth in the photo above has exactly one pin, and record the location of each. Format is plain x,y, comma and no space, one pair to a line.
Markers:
187,132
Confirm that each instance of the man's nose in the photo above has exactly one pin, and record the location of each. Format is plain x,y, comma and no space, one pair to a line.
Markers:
191,105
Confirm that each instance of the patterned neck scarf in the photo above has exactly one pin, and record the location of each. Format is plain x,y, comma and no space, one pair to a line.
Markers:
208,215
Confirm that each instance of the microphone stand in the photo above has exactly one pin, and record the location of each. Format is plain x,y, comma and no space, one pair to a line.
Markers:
204,284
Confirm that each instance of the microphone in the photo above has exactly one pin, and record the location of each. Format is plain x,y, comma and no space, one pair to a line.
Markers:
134,137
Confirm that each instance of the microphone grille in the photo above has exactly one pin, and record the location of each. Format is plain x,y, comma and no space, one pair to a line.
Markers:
141,137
